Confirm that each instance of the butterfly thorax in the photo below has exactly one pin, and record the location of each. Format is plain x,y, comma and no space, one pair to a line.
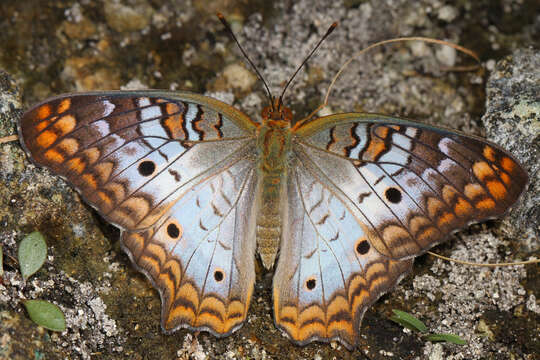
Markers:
274,143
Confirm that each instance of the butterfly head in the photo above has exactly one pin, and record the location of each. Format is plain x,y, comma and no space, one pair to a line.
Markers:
277,113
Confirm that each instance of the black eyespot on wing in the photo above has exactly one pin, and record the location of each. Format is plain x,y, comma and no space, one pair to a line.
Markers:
147,168
218,275
393,195
310,284
173,231
362,247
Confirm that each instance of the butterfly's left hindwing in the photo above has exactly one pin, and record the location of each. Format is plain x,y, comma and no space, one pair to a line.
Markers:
175,171
201,255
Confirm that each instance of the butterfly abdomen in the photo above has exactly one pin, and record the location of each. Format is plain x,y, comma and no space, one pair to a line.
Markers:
274,149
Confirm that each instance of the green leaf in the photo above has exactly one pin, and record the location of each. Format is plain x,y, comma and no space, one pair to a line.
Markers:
32,253
446,337
408,321
46,314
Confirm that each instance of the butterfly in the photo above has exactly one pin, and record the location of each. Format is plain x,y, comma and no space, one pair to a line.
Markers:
340,204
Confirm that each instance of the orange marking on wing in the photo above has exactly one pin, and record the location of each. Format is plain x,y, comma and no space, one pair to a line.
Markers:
213,304
474,190
497,189
360,299
189,293
237,307
76,165
445,219
427,236
174,124
489,153
315,328
64,105
210,320
46,139
168,286
395,127
311,312
462,207
54,156
157,251
184,313
337,305
376,146
485,204
508,164
417,223
138,207
505,178
433,206
289,312
65,124
149,264
172,108
173,267
90,180
410,247
104,170
392,233
377,282
92,154
373,270
449,193
117,189
44,111
338,326
42,125
69,146
104,198
135,243
482,170
381,131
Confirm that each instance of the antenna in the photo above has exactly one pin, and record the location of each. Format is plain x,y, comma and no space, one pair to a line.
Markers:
228,28
328,32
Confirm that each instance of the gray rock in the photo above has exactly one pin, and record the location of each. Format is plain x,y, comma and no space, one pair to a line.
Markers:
512,120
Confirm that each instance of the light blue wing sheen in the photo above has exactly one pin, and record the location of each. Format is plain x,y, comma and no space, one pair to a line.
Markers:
201,255
327,273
